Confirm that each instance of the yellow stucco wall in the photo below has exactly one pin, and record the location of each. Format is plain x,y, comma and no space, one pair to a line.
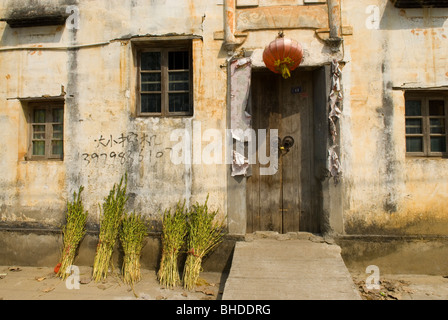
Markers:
95,65
388,192
383,190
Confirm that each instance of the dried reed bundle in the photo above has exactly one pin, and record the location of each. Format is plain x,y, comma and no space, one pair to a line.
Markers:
174,230
204,234
73,232
113,210
132,234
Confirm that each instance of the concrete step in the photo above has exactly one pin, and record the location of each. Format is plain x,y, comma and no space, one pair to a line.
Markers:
297,269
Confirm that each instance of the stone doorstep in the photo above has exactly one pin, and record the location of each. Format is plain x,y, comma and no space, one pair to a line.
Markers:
274,235
306,267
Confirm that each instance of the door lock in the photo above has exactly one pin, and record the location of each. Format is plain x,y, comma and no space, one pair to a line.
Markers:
286,144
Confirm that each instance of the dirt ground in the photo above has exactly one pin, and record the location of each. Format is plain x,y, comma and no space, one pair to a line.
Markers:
403,287
34,283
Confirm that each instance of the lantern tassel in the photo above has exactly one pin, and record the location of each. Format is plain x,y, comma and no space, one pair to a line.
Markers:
285,71
283,67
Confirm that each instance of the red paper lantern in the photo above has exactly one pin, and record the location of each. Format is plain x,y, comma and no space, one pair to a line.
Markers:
283,55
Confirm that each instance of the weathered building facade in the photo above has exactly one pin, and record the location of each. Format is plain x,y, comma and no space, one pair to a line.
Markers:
93,89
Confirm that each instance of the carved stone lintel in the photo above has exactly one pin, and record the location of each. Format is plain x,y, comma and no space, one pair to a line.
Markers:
282,17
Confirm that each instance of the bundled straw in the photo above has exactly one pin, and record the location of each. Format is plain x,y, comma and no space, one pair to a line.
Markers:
113,210
174,230
73,231
132,234
203,236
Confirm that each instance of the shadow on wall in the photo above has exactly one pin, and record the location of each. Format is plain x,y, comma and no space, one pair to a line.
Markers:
47,19
387,17
398,223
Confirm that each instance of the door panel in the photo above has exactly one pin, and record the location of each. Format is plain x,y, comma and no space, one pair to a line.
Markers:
283,202
296,164
265,189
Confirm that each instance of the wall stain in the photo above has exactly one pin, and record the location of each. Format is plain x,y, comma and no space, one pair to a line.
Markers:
398,223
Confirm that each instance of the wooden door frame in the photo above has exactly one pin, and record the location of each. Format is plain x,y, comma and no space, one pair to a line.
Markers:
284,202
329,205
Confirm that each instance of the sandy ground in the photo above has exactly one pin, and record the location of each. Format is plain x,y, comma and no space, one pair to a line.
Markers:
403,287
31,283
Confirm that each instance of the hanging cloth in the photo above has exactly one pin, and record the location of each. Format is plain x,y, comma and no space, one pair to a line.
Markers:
335,102
240,119
240,79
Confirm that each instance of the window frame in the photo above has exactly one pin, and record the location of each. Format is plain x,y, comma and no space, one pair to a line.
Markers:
426,134
164,48
48,106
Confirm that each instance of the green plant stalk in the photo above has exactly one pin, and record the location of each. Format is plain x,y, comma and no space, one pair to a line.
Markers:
204,234
131,268
113,211
132,236
174,230
169,272
192,270
73,232
193,264
102,261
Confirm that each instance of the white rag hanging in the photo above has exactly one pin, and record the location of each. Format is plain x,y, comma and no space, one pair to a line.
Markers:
240,165
335,101
240,80
334,166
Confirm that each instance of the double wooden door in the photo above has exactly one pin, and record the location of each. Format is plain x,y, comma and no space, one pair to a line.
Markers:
283,201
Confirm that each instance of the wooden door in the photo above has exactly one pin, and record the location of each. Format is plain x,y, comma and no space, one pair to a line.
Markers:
283,201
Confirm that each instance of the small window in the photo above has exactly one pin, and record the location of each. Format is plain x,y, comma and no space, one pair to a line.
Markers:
46,122
165,82
426,124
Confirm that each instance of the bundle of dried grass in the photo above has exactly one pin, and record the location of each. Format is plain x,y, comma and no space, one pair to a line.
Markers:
174,230
113,211
204,234
73,232
132,235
